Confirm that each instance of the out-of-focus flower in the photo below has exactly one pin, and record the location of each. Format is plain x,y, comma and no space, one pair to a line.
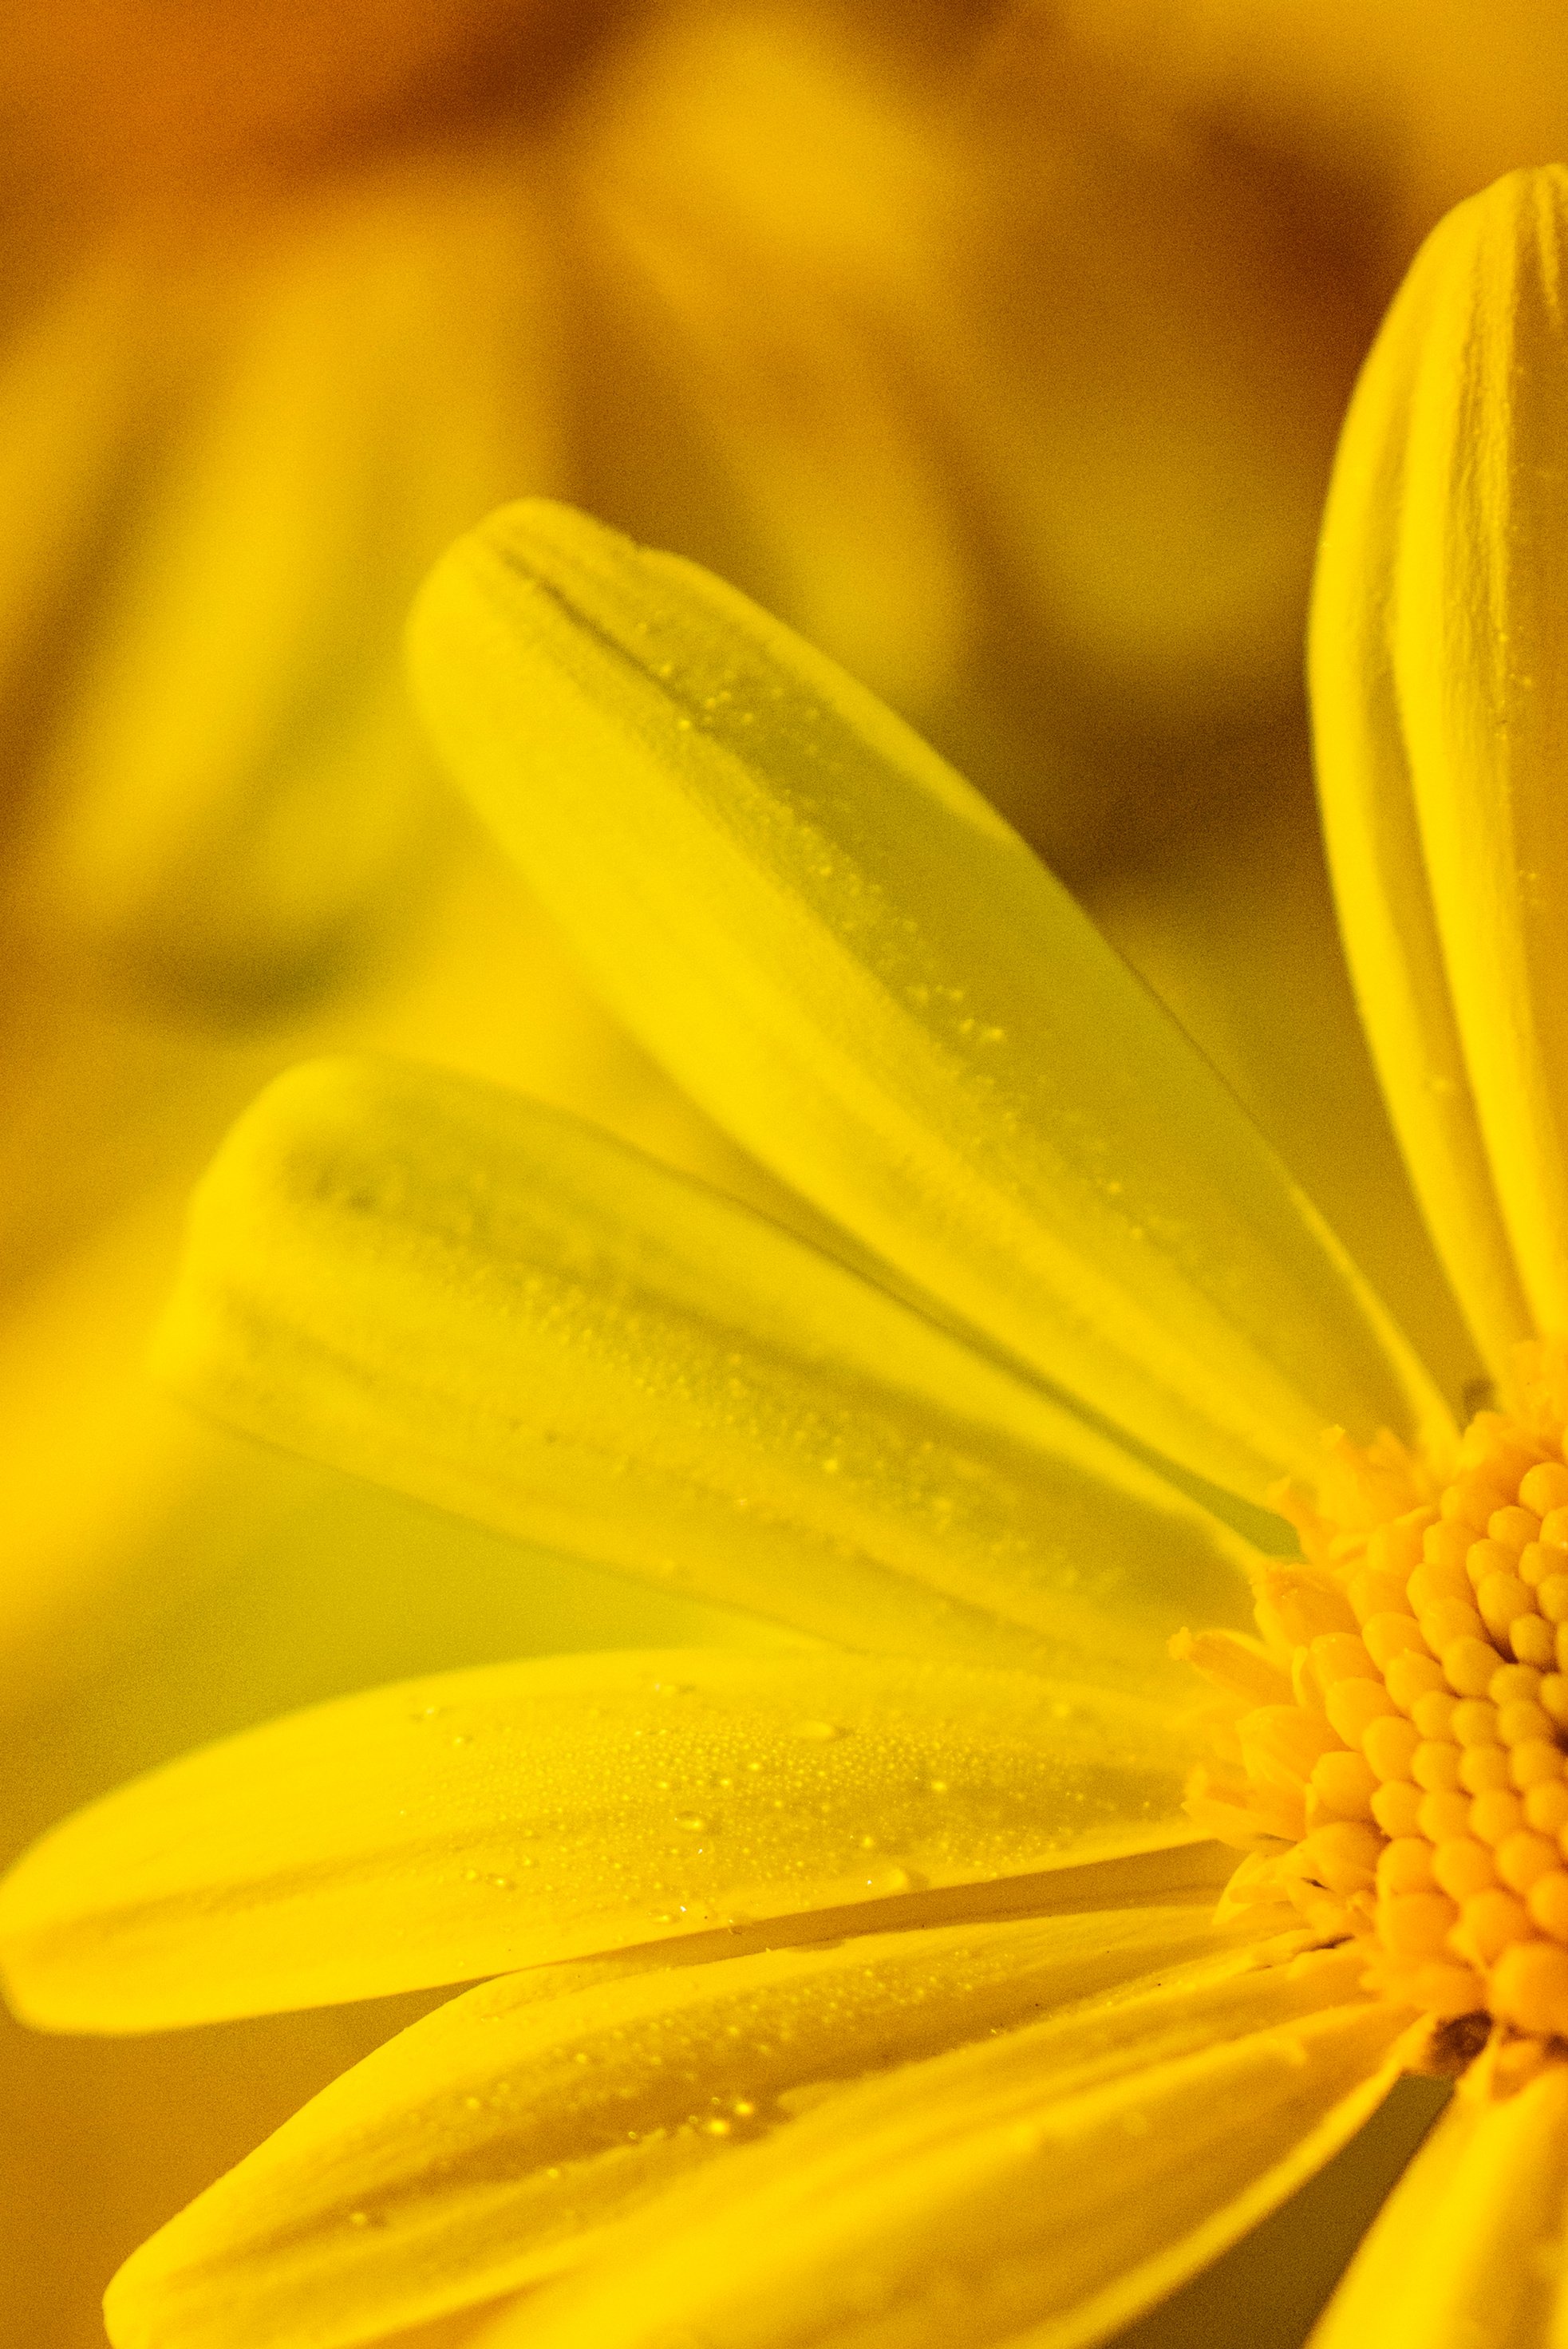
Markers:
989,1484
1408,108
1064,352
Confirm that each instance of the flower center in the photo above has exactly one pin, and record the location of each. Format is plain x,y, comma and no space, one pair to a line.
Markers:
1392,1750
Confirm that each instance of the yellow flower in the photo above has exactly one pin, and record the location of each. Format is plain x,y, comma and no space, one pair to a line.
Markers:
283,316
232,447
870,1990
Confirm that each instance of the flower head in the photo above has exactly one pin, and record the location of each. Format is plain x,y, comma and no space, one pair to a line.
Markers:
870,1990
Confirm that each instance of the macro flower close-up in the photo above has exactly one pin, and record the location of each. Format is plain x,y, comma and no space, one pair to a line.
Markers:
1163,1747
289,297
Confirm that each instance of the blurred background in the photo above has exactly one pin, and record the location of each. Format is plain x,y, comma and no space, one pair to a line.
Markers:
999,348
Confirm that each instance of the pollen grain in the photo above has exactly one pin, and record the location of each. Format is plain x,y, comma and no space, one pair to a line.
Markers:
1392,1750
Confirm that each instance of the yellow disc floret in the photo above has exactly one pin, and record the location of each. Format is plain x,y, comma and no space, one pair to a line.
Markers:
1393,1752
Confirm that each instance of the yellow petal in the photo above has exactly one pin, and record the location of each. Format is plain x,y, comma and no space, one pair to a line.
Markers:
489,2146
477,1821
1044,2187
234,786
1467,2253
849,958
1440,702
1232,921
485,1304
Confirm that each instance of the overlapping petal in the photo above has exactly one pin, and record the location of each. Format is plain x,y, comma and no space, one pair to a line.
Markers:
503,1313
1233,925
489,2147
844,954
1040,2187
444,1828
1467,2251
1440,706
488,1305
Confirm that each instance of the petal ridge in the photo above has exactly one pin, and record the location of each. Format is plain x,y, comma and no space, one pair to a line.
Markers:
847,956
488,1305
481,1821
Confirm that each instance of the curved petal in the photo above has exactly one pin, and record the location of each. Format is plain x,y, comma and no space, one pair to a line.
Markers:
483,1303
483,1821
1440,702
850,959
489,2146
1467,2253
1040,2188
1231,920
